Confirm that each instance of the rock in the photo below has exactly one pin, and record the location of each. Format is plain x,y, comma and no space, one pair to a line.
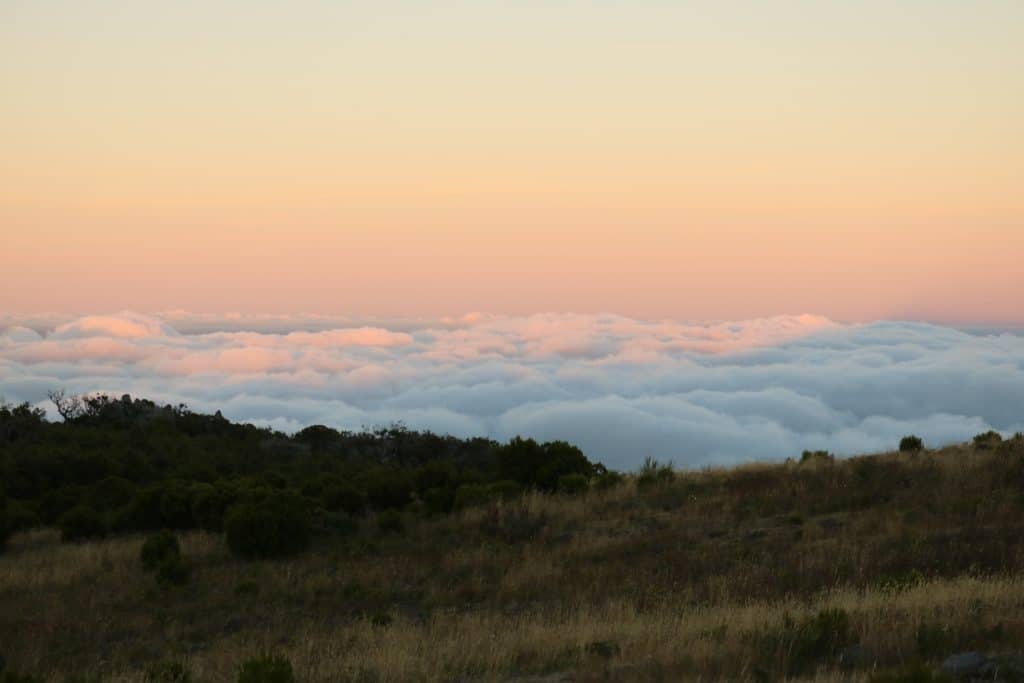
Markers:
965,664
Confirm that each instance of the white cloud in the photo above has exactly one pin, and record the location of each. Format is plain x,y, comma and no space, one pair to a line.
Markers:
622,389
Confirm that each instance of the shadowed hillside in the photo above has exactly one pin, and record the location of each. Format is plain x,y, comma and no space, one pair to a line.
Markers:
399,556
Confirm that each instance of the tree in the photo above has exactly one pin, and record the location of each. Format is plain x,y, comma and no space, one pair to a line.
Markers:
70,407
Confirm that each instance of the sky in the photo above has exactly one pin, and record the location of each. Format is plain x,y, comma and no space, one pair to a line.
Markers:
709,159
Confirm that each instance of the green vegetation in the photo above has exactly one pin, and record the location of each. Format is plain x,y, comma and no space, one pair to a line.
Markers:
154,544
911,444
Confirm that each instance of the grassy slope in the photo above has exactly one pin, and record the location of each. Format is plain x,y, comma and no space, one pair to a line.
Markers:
718,575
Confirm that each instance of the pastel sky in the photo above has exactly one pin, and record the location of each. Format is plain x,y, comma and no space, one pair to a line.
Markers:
719,159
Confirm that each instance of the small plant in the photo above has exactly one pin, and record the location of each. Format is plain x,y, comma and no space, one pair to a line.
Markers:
605,649
158,548
911,444
81,523
266,669
381,620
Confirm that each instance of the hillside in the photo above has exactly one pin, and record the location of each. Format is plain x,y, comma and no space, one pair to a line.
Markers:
413,557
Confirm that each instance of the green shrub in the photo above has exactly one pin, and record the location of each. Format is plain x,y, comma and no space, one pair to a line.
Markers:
438,501
168,672
471,495
390,522
277,527
266,669
541,465
988,440
387,488
143,513
608,480
344,498
572,484
911,444
56,502
176,506
111,493
338,523
654,473
504,489
157,548
209,504
816,457
172,572
81,523
435,475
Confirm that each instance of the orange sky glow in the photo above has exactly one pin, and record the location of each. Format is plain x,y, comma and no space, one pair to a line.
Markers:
659,160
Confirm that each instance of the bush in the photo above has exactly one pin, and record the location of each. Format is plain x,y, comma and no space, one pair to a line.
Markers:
277,527
654,473
58,501
439,501
911,444
344,498
504,489
209,503
143,513
608,480
816,457
390,522
541,465
471,495
988,440
572,484
172,571
157,548
81,523
387,488
266,669
111,493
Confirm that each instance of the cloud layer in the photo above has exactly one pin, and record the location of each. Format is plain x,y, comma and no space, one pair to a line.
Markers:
622,389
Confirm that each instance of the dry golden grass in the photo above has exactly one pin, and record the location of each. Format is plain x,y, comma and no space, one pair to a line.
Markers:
695,580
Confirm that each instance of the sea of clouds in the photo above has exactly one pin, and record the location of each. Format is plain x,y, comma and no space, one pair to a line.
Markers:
622,389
